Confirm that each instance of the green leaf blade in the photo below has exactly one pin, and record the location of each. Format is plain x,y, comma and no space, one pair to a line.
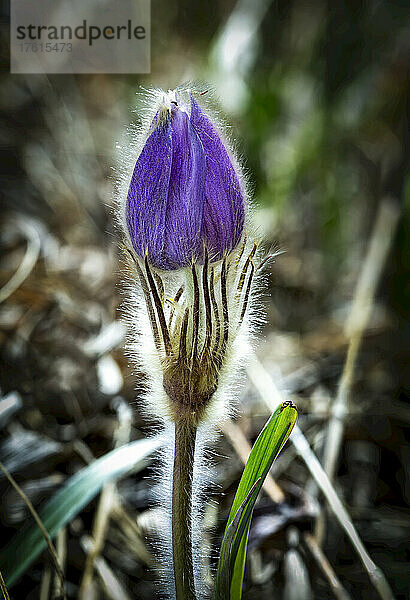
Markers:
223,576
266,448
76,493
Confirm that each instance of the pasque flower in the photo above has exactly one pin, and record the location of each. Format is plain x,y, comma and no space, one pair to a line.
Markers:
192,267
185,193
185,219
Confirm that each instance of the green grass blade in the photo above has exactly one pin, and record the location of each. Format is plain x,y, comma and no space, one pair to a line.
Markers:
265,450
223,576
77,492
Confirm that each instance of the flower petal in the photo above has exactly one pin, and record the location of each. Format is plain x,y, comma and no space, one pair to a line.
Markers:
224,213
147,195
186,194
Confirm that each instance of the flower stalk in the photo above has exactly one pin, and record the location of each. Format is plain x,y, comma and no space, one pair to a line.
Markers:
184,454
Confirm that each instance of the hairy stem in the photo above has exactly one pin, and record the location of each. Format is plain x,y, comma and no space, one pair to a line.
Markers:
185,435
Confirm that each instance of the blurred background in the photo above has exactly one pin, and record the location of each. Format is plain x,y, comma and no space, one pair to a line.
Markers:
316,92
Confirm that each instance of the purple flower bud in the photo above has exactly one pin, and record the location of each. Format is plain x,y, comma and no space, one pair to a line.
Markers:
184,193
224,212
166,196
